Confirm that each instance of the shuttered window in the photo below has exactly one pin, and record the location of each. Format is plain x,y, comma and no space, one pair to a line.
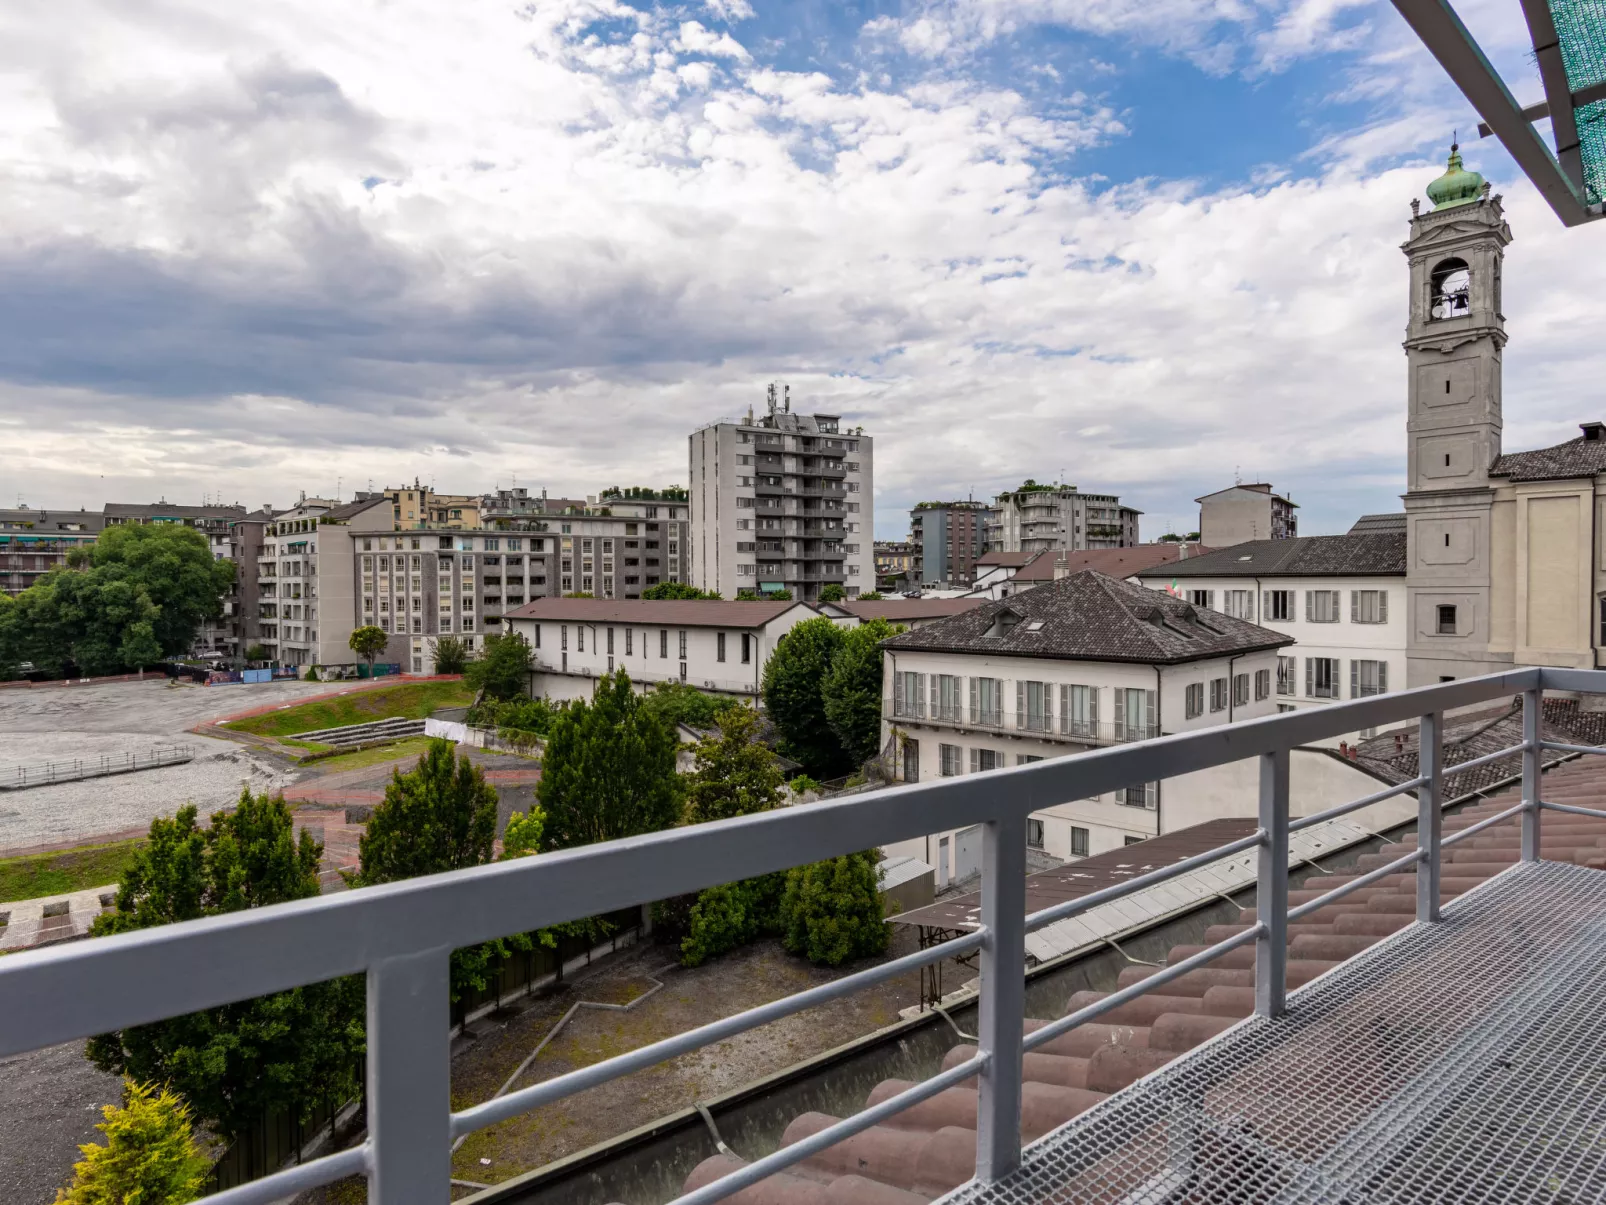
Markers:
1136,715
1321,606
1368,606
1193,700
1079,710
1368,678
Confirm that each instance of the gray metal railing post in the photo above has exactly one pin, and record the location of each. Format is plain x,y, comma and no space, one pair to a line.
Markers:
1429,813
1532,703
1001,1024
409,1080
1271,892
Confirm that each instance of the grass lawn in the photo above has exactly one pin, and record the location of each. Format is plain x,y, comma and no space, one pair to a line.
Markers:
411,748
30,877
408,700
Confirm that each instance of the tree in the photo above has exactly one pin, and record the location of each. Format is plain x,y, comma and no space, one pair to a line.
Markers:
792,697
872,596
732,915
450,654
522,837
735,775
258,652
503,670
852,689
439,816
832,592
150,1156
674,590
368,642
679,703
239,1061
609,769
831,910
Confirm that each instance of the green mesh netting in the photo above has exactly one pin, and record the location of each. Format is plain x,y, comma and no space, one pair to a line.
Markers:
1581,29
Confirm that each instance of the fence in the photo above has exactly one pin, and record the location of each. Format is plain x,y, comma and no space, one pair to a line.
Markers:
400,935
45,773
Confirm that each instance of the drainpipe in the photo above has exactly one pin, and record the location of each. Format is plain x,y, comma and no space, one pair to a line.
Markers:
1230,662
1159,787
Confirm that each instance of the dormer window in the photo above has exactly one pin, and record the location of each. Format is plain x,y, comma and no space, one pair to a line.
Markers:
1003,623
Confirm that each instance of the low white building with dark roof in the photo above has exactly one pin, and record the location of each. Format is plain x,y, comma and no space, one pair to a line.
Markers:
1341,598
714,645
1072,665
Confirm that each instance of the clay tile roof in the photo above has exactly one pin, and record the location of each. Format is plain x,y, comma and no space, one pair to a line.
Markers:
1116,562
899,610
1579,457
1090,617
678,612
1368,555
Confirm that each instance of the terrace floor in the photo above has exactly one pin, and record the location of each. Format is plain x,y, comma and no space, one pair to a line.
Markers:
1463,1061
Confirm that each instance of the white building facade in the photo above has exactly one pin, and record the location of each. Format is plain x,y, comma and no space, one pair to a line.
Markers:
1073,665
716,646
1341,598
782,501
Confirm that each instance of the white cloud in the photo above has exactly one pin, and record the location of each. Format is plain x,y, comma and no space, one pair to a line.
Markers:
591,237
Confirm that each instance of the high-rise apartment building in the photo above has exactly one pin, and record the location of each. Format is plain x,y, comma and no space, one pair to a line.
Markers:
613,545
782,501
1035,518
33,542
948,539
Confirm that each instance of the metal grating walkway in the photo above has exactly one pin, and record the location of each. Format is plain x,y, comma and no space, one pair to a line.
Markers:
1463,1062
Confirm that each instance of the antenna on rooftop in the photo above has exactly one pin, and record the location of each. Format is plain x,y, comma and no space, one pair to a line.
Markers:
770,397
788,392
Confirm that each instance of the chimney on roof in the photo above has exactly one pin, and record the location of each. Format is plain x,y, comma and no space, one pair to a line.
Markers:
1061,569
1592,431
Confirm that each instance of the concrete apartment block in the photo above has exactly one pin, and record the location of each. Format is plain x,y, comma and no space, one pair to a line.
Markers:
948,538
1245,512
1035,518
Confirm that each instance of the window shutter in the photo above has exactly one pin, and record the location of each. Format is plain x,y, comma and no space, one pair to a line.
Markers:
1355,606
1210,599
936,703
1048,707
1354,679
1151,718
1382,606
897,694
920,696
1265,605
1020,703
1310,673
1065,709
975,704
972,761
1093,708
1120,714
1151,794
1382,677
1310,606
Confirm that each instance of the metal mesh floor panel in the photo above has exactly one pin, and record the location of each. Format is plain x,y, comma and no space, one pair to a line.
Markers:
1461,1062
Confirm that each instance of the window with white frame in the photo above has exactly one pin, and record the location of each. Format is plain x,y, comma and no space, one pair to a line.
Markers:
1193,700
1240,604
908,694
1240,690
948,757
1136,714
1079,710
719,646
1368,678
1203,598
1140,795
946,698
1218,694
1287,667
1034,706
1079,842
1321,606
1277,606
1262,685
987,701
982,760
1368,606
1321,677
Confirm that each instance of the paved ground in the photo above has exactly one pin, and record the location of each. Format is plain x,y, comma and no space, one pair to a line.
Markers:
50,1101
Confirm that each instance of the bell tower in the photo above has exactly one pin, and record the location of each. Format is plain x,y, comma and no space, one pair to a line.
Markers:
1454,337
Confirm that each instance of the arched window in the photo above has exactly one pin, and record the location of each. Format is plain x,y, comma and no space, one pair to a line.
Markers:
1450,294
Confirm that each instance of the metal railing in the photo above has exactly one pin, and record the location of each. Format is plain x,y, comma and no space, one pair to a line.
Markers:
400,935
71,770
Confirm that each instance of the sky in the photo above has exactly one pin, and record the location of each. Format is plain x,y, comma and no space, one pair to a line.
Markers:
1143,246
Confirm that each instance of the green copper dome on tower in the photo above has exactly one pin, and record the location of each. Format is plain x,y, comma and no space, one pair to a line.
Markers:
1457,186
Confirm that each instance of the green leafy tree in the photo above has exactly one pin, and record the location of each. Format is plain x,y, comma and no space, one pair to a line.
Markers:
503,670
793,699
150,1156
735,775
258,652
852,689
609,769
872,596
679,703
832,592
522,837
831,910
579,594
237,1062
450,654
439,816
515,716
368,642
732,915
677,590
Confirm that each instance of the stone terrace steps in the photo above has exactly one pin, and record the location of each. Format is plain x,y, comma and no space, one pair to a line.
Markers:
929,1150
360,734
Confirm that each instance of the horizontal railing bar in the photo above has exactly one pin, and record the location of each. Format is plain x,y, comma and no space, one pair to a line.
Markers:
1459,767
1572,808
282,1185
1339,892
1147,984
846,1128
176,969
1058,912
1487,822
1344,809
501,1108
1558,747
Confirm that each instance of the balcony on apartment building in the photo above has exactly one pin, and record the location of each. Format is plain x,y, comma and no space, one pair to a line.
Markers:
1047,726
1435,1038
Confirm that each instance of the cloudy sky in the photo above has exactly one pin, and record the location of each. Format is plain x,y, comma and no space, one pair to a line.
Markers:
1140,245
